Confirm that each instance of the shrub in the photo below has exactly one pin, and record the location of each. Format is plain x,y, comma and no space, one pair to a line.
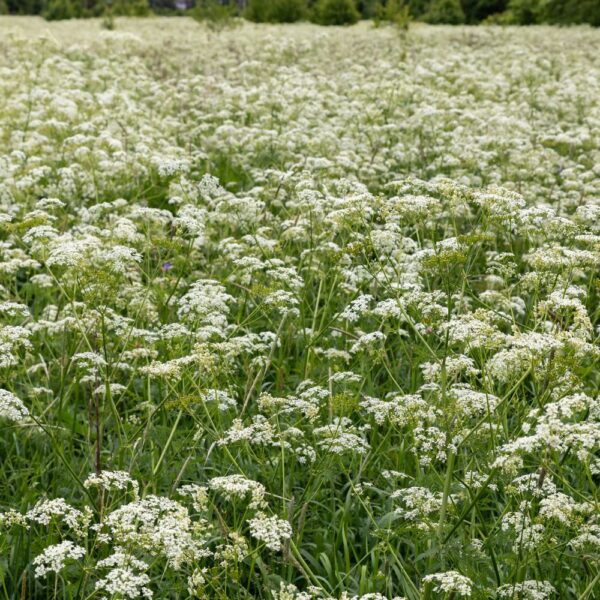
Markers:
25,7
559,12
368,8
445,11
276,11
526,12
216,16
257,11
479,10
336,12
287,11
503,18
108,21
58,10
571,11
418,7
394,11
91,9
131,8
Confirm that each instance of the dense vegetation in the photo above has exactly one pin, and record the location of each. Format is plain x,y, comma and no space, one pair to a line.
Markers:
299,313
330,12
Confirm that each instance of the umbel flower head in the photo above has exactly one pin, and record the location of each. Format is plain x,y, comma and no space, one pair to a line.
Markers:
11,407
54,558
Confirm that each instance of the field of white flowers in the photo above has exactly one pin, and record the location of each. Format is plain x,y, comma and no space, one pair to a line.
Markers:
299,313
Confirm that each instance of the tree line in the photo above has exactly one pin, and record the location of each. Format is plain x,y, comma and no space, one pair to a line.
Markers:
326,12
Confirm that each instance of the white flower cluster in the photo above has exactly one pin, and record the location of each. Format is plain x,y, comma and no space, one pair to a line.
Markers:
156,524
273,531
11,407
527,590
59,511
450,582
112,480
54,558
237,486
124,577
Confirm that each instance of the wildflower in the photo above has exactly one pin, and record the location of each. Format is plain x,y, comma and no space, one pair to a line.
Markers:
450,582
155,524
46,510
53,558
237,486
11,407
527,590
273,531
112,480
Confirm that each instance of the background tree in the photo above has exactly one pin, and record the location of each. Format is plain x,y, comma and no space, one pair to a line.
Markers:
25,7
336,12
276,11
393,11
445,11
479,10
571,11
287,11
215,15
58,10
525,12
332,12
131,8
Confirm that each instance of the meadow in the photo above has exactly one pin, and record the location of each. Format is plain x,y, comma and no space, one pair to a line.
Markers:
296,313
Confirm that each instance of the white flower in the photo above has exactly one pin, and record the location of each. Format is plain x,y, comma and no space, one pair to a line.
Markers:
158,525
112,480
273,531
53,558
237,486
125,582
46,510
527,590
368,342
450,582
11,407
205,302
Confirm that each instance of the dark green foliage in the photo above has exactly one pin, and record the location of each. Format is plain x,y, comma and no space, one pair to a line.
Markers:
216,15
108,21
51,9
287,11
445,11
479,10
368,8
58,10
25,7
88,8
336,12
525,12
131,8
438,11
557,12
572,11
167,8
418,7
331,12
393,11
257,11
276,11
